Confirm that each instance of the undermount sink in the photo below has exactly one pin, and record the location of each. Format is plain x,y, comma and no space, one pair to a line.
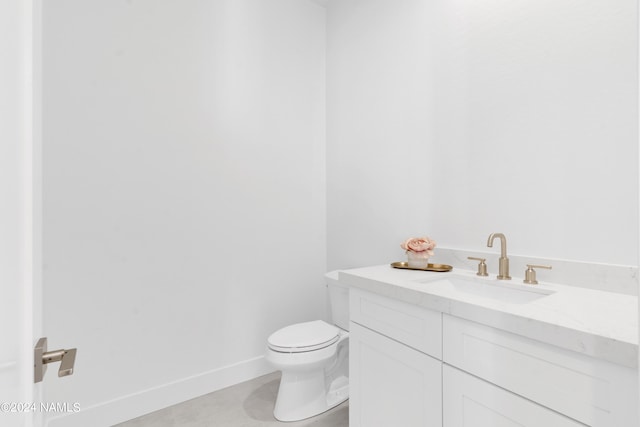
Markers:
508,291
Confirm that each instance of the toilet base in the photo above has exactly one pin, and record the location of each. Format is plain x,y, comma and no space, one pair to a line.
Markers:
304,395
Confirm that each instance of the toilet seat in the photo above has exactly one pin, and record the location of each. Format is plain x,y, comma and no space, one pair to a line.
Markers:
303,337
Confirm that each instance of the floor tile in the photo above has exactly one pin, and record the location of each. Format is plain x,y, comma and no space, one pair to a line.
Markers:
248,404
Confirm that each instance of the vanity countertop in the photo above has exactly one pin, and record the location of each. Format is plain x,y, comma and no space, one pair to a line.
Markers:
600,324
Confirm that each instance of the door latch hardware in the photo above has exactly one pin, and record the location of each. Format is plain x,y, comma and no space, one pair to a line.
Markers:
42,357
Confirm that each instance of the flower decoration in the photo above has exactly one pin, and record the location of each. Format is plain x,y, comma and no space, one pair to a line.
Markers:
418,245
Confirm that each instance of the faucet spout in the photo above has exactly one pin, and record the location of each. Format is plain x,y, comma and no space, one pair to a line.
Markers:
503,262
503,243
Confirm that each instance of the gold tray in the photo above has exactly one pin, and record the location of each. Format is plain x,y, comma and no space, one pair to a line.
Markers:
429,267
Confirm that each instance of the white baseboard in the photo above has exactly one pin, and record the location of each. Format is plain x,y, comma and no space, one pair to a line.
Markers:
134,405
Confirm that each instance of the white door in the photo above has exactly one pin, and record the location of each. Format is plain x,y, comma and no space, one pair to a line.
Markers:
20,308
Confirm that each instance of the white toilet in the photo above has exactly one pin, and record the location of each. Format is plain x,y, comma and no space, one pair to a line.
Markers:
314,360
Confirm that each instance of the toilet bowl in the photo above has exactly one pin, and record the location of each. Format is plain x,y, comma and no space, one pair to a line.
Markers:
313,358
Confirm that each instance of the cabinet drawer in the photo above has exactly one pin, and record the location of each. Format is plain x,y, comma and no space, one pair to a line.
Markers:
472,402
409,324
592,391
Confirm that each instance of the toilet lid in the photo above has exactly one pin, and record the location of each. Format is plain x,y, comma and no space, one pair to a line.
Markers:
301,337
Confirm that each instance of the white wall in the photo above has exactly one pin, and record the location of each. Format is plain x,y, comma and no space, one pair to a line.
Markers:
461,118
379,124
179,133
184,193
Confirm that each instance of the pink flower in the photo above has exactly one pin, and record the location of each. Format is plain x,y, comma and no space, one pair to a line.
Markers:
419,244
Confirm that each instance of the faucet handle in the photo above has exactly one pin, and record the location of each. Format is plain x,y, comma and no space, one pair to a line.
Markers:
482,266
530,273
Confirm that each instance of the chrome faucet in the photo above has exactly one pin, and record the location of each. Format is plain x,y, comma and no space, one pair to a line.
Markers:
503,262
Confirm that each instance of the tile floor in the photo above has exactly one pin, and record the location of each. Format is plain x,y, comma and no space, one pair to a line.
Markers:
249,404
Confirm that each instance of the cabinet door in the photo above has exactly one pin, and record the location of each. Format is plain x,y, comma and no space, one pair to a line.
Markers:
472,402
391,384
592,391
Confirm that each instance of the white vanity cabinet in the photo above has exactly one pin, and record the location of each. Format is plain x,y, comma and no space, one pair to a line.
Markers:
411,366
392,379
595,392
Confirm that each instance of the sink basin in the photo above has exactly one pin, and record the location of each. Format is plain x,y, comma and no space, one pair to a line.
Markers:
509,292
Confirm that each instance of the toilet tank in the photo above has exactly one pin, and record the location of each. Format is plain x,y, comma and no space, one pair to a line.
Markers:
338,300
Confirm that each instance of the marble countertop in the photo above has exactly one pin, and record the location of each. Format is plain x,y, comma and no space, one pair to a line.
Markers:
597,323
